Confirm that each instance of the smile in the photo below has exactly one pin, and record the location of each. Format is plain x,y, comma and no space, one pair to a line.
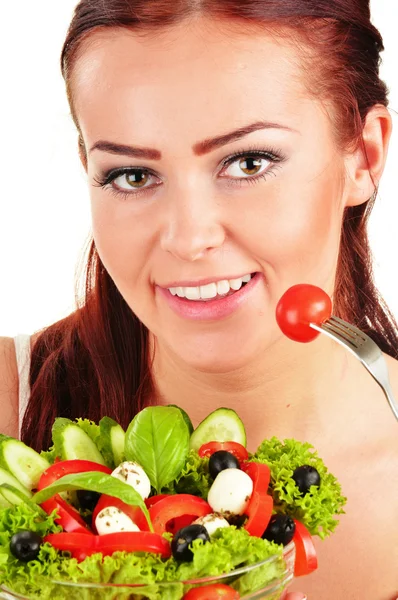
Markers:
219,289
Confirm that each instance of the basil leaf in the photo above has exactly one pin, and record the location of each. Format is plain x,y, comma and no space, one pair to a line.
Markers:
94,481
158,439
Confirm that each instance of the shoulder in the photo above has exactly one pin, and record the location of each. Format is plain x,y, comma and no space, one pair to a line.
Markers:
8,387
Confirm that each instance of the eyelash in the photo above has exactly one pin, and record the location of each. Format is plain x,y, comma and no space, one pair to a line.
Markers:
276,157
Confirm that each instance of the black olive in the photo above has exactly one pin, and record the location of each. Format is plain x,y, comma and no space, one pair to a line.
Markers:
25,545
221,460
184,538
280,529
87,500
305,477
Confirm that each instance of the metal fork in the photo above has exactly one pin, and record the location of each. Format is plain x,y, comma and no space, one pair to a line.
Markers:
364,349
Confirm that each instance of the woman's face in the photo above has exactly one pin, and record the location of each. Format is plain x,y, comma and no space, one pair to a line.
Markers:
208,161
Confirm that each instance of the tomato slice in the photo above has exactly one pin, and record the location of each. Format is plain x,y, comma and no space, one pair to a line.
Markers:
177,506
134,512
80,546
306,558
68,517
299,306
214,591
233,447
67,467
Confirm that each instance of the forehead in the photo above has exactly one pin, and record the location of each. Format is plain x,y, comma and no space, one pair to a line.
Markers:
197,78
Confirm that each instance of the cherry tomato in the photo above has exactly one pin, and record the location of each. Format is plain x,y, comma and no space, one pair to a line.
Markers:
68,517
81,546
174,507
299,306
134,512
214,591
306,558
233,447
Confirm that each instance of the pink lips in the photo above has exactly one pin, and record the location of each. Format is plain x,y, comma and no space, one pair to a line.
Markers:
208,310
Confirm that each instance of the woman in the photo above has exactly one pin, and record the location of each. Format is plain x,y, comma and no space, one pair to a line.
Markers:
232,150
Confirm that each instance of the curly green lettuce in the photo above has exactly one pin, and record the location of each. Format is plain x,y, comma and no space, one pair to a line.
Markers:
194,477
316,509
230,548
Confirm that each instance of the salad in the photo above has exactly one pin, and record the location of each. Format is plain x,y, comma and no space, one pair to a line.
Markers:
159,503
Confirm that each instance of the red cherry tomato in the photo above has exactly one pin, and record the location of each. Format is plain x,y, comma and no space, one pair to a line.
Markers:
234,448
134,512
174,507
301,305
68,517
306,558
81,546
213,592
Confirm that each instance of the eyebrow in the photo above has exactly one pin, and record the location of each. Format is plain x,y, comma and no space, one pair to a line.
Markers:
199,149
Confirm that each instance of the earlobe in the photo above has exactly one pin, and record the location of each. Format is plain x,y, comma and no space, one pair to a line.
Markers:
366,165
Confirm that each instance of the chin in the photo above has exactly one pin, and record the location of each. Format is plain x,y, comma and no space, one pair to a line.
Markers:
223,354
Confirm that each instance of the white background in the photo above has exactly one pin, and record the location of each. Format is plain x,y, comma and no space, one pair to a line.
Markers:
44,208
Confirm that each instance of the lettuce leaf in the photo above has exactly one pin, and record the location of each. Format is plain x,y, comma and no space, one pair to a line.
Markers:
316,509
194,478
230,548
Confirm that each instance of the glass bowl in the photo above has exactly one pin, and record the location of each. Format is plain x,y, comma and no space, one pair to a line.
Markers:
267,579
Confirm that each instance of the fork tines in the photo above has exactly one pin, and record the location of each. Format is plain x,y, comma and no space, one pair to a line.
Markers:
351,334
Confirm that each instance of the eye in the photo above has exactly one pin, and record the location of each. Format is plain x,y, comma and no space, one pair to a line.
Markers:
133,180
247,166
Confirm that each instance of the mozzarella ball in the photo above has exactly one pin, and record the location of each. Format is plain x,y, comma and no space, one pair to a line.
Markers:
113,520
133,474
212,522
230,492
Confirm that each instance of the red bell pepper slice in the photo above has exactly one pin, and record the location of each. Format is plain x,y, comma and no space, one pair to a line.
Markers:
234,448
80,545
306,558
177,506
134,512
259,509
68,517
153,499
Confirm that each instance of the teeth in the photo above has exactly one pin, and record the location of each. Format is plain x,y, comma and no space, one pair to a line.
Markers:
208,291
211,290
223,287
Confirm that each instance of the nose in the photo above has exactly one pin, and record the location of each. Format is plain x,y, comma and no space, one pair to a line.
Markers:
193,227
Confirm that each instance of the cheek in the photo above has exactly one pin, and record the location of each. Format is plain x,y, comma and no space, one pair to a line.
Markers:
296,227
122,237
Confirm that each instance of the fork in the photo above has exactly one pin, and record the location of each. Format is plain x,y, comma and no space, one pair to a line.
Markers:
364,349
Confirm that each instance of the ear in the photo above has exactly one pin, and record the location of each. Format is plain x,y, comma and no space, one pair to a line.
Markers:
366,164
82,152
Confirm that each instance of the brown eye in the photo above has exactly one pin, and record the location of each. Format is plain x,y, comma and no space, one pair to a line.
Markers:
246,167
135,179
250,166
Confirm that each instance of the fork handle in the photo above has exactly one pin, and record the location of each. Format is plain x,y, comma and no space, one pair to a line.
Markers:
390,398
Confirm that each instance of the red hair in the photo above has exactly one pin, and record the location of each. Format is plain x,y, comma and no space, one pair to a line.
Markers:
95,362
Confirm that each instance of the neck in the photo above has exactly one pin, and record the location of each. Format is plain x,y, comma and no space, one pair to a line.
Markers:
287,392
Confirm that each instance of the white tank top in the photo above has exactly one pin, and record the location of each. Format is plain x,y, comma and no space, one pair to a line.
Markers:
22,350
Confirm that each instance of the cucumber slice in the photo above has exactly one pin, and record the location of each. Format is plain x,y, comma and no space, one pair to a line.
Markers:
8,479
72,443
21,461
14,497
112,437
222,425
185,416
